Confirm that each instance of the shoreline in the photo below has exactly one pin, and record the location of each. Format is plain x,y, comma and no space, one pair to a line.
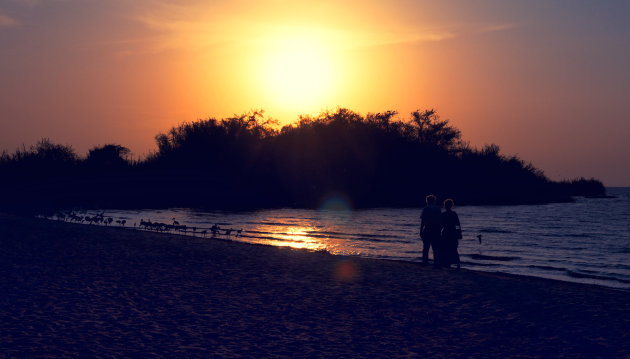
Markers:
507,276
570,275
95,290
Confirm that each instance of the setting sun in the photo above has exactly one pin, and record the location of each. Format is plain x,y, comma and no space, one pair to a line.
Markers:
299,72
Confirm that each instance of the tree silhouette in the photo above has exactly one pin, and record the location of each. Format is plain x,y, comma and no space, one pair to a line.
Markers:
430,130
108,156
246,161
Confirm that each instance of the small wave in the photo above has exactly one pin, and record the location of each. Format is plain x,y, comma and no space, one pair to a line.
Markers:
479,264
377,235
259,232
267,223
379,256
275,239
598,277
371,239
340,234
547,268
621,266
200,224
494,230
561,234
287,237
256,237
337,235
482,257
577,235
551,235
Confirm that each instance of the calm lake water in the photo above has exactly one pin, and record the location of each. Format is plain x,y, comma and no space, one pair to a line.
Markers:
587,241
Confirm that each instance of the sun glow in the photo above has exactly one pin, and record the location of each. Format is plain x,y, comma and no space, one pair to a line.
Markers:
299,71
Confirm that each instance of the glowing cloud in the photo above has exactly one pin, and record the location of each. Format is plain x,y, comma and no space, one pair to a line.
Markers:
498,27
6,21
201,25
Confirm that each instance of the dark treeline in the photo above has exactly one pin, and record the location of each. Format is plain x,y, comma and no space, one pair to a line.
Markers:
246,162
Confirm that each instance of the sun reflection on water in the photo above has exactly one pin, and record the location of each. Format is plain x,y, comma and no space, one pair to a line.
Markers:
294,236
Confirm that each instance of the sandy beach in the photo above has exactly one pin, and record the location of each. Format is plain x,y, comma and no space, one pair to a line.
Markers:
71,290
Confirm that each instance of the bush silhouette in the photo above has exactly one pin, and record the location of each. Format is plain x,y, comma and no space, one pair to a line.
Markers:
246,161
110,156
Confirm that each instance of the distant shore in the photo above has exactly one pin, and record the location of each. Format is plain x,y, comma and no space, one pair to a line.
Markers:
77,290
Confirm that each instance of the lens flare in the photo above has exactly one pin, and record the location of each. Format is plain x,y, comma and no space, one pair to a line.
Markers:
336,202
346,271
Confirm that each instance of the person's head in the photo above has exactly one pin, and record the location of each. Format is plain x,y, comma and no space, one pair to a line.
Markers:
431,199
448,204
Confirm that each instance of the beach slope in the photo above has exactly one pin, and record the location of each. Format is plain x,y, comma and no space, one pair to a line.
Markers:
72,290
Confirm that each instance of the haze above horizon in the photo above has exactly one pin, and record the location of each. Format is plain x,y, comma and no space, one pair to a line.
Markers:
547,81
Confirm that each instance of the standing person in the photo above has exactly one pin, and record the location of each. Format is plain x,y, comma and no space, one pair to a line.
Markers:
451,234
430,226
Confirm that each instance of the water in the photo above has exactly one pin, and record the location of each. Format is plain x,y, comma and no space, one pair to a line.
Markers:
587,241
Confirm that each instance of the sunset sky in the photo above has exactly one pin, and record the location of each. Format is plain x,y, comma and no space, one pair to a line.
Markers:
546,80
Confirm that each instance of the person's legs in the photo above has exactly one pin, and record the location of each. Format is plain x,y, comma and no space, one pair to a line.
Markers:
426,244
457,258
437,252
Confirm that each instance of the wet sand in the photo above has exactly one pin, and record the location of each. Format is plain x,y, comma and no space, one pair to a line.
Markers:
70,290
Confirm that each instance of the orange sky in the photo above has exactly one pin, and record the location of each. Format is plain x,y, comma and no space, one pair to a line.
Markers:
547,81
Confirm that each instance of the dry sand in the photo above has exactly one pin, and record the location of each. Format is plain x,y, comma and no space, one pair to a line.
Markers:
71,290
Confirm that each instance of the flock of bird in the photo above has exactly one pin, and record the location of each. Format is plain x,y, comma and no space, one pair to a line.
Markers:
101,219
175,226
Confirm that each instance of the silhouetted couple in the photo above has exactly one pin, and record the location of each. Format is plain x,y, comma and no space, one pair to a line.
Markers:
440,231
